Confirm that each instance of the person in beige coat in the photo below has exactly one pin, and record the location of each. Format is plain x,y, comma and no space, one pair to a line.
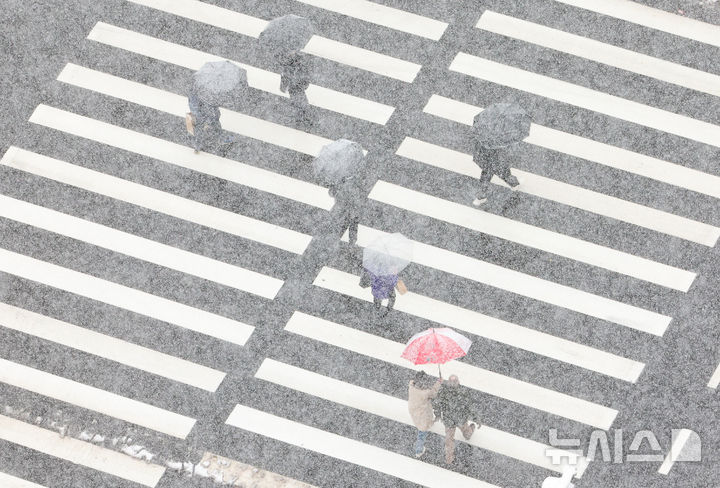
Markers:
421,391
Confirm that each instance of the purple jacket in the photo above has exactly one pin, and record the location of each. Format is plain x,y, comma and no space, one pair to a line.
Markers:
381,286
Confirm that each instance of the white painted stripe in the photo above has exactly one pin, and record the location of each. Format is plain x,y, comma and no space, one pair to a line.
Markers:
179,155
209,14
536,237
395,409
587,98
79,452
654,18
140,248
479,379
715,379
597,152
349,450
177,105
111,348
8,481
95,399
531,287
124,297
364,59
318,46
156,200
600,52
566,194
260,79
675,450
490,327
386,16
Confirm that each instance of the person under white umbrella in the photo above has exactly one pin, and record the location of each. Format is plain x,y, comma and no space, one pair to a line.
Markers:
214,84
383,260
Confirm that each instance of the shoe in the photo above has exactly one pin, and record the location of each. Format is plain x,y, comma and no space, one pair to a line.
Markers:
513,182
473,428
479,201
417,455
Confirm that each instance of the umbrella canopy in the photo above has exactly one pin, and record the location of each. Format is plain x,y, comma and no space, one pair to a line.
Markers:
436,346
388,254
339,160
285,34
217,81
501,125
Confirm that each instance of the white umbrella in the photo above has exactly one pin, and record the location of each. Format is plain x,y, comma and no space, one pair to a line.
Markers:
388,254
339,159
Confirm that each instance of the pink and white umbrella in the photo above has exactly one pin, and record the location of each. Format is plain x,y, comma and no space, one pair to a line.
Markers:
436,346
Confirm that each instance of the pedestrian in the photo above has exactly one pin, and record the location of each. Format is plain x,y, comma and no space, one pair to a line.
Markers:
492,162
421,391
382,288
349,197
294,80
204,126
455,411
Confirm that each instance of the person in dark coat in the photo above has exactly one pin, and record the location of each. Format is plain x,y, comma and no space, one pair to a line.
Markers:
295,79
455,411
492,162
206,122
349,196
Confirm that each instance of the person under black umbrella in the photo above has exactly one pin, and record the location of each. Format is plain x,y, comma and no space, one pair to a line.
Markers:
498,127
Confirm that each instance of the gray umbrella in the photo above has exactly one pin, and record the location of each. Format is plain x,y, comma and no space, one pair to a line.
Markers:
501,125
286,34
218,81
338,160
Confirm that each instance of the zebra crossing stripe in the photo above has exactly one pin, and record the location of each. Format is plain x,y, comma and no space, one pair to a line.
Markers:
715,379
156,200
566,194
479,379
339,52
140,248
395,409
111,348
8,481
600,52
538,238
653,18
258,78
95,399
174,104
597,152
125,297
587,98
491,328
385,16
349,450
182,156
80,452
525,285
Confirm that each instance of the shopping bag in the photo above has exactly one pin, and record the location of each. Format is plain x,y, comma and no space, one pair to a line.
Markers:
401,288
190,123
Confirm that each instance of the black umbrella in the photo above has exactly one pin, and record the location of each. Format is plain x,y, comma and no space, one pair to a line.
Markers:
286,34
501,125
218,81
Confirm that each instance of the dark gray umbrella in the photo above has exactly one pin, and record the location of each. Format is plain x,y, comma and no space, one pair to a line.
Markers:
338,160
286,34
501,125
218,81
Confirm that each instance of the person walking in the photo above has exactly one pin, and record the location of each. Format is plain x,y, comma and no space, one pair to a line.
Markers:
294,80
205,121
421,391
492,162
349,196
382,288
455,411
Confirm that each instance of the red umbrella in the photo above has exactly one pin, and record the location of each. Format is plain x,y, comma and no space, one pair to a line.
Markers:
436,346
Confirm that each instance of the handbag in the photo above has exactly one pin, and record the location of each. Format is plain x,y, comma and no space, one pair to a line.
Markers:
190,123
401,288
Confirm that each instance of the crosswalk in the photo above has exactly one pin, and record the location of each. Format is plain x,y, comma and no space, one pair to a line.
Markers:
335,318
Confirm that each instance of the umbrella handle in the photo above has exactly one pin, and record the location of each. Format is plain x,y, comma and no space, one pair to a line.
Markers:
440,372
